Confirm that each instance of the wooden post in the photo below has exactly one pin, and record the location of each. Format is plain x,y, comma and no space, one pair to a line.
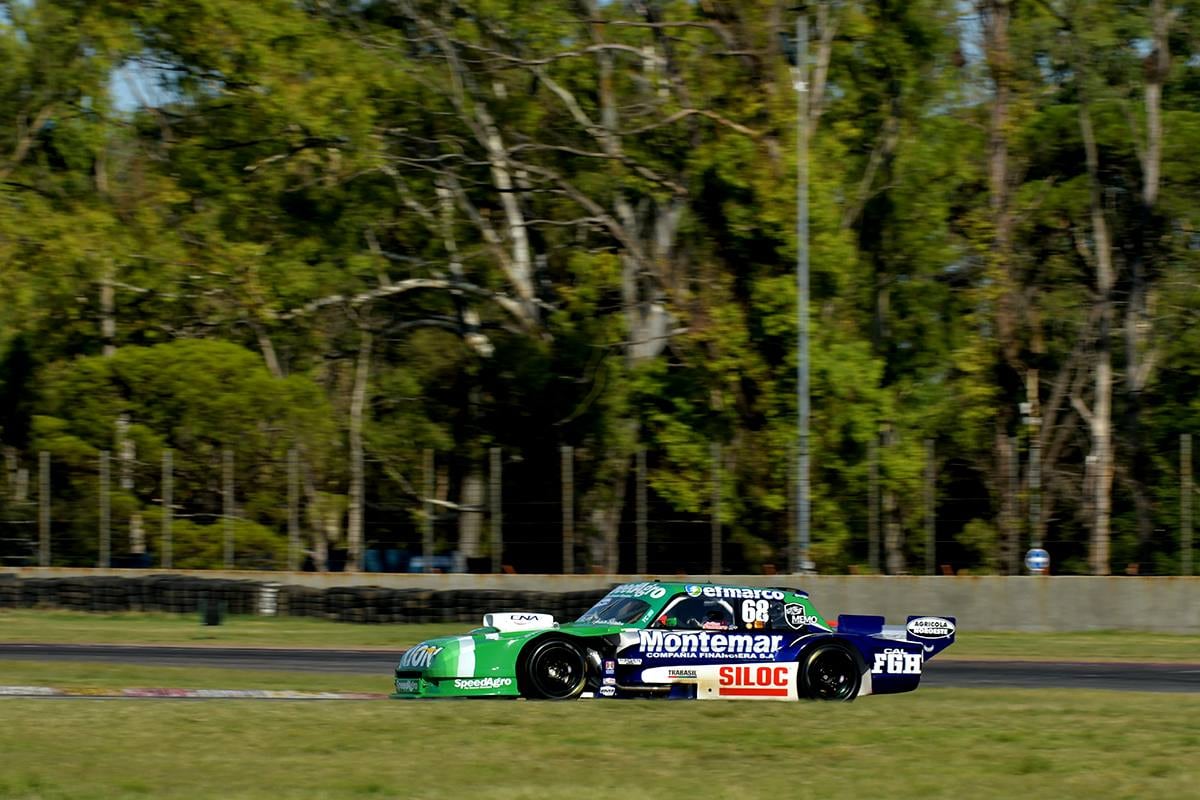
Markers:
1185,503
641,511
427,538
168,512
568,509
293,489
229,508
716,509
44,509
497,510
105,533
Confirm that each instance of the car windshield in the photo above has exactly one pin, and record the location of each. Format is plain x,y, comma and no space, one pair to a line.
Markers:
621,610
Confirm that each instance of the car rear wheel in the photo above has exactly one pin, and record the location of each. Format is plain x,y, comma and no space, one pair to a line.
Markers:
554,670
829,672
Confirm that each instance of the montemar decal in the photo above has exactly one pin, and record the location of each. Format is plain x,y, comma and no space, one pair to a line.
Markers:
931,627
420,657
668,644
895,661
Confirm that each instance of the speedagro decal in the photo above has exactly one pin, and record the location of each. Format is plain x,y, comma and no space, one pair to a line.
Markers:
420,657
895,661
760,681
931,627
663,644
482,683
652,590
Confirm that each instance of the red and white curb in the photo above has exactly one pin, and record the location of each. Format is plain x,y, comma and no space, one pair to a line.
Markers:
224,694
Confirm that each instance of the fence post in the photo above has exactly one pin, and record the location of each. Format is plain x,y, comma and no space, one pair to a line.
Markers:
168,510
1185,503
568,509
930,512
104,512
716,509
497,509
641,511
229,509
427,533
44,509
873,504
293,482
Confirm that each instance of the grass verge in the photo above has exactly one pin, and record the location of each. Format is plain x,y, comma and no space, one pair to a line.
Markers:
59,627
944,743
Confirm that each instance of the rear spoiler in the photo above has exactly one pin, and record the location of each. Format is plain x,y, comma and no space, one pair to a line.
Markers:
934,634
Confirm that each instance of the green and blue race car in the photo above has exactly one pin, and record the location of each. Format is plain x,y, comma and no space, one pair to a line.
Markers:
679,640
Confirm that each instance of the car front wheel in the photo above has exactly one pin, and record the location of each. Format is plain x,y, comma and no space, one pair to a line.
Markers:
554,670
829,672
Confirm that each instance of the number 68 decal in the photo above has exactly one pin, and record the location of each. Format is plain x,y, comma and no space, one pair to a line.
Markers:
755,611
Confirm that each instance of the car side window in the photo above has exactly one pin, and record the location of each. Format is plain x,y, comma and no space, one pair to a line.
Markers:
698,613
760,614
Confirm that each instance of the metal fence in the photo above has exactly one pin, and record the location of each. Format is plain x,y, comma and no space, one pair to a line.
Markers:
524,515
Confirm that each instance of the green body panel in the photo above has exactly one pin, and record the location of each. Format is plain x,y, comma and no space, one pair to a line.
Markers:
483,662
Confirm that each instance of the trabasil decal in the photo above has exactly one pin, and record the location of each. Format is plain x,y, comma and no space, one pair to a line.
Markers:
482,683
931,627
895,661
796,618
669,644
420,657
763,681
681,674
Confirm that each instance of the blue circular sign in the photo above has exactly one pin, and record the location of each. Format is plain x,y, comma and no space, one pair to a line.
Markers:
1037,560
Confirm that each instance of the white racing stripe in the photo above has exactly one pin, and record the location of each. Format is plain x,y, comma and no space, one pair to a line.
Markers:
466,657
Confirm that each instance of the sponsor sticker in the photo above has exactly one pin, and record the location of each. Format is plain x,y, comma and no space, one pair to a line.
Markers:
470,684
931,627
629,662
738,593
895,661
694,591
645,589
408,685
796,618
608,691
420,657
681,674
734,646
753,681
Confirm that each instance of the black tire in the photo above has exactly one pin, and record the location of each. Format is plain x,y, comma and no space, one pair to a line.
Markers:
555,669
830,671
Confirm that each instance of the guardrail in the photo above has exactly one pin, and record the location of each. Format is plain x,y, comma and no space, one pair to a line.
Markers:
985,603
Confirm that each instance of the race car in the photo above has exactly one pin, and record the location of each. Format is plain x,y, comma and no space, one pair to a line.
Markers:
679,640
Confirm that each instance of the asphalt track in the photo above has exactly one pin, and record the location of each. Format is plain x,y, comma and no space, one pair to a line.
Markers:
947,672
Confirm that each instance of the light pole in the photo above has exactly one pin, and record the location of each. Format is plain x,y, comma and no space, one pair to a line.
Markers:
801,562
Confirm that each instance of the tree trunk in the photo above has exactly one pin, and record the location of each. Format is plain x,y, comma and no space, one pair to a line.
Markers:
893,530
358,401
1139,356
1100,459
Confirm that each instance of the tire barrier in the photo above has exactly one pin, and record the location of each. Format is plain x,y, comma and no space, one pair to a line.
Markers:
361,604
